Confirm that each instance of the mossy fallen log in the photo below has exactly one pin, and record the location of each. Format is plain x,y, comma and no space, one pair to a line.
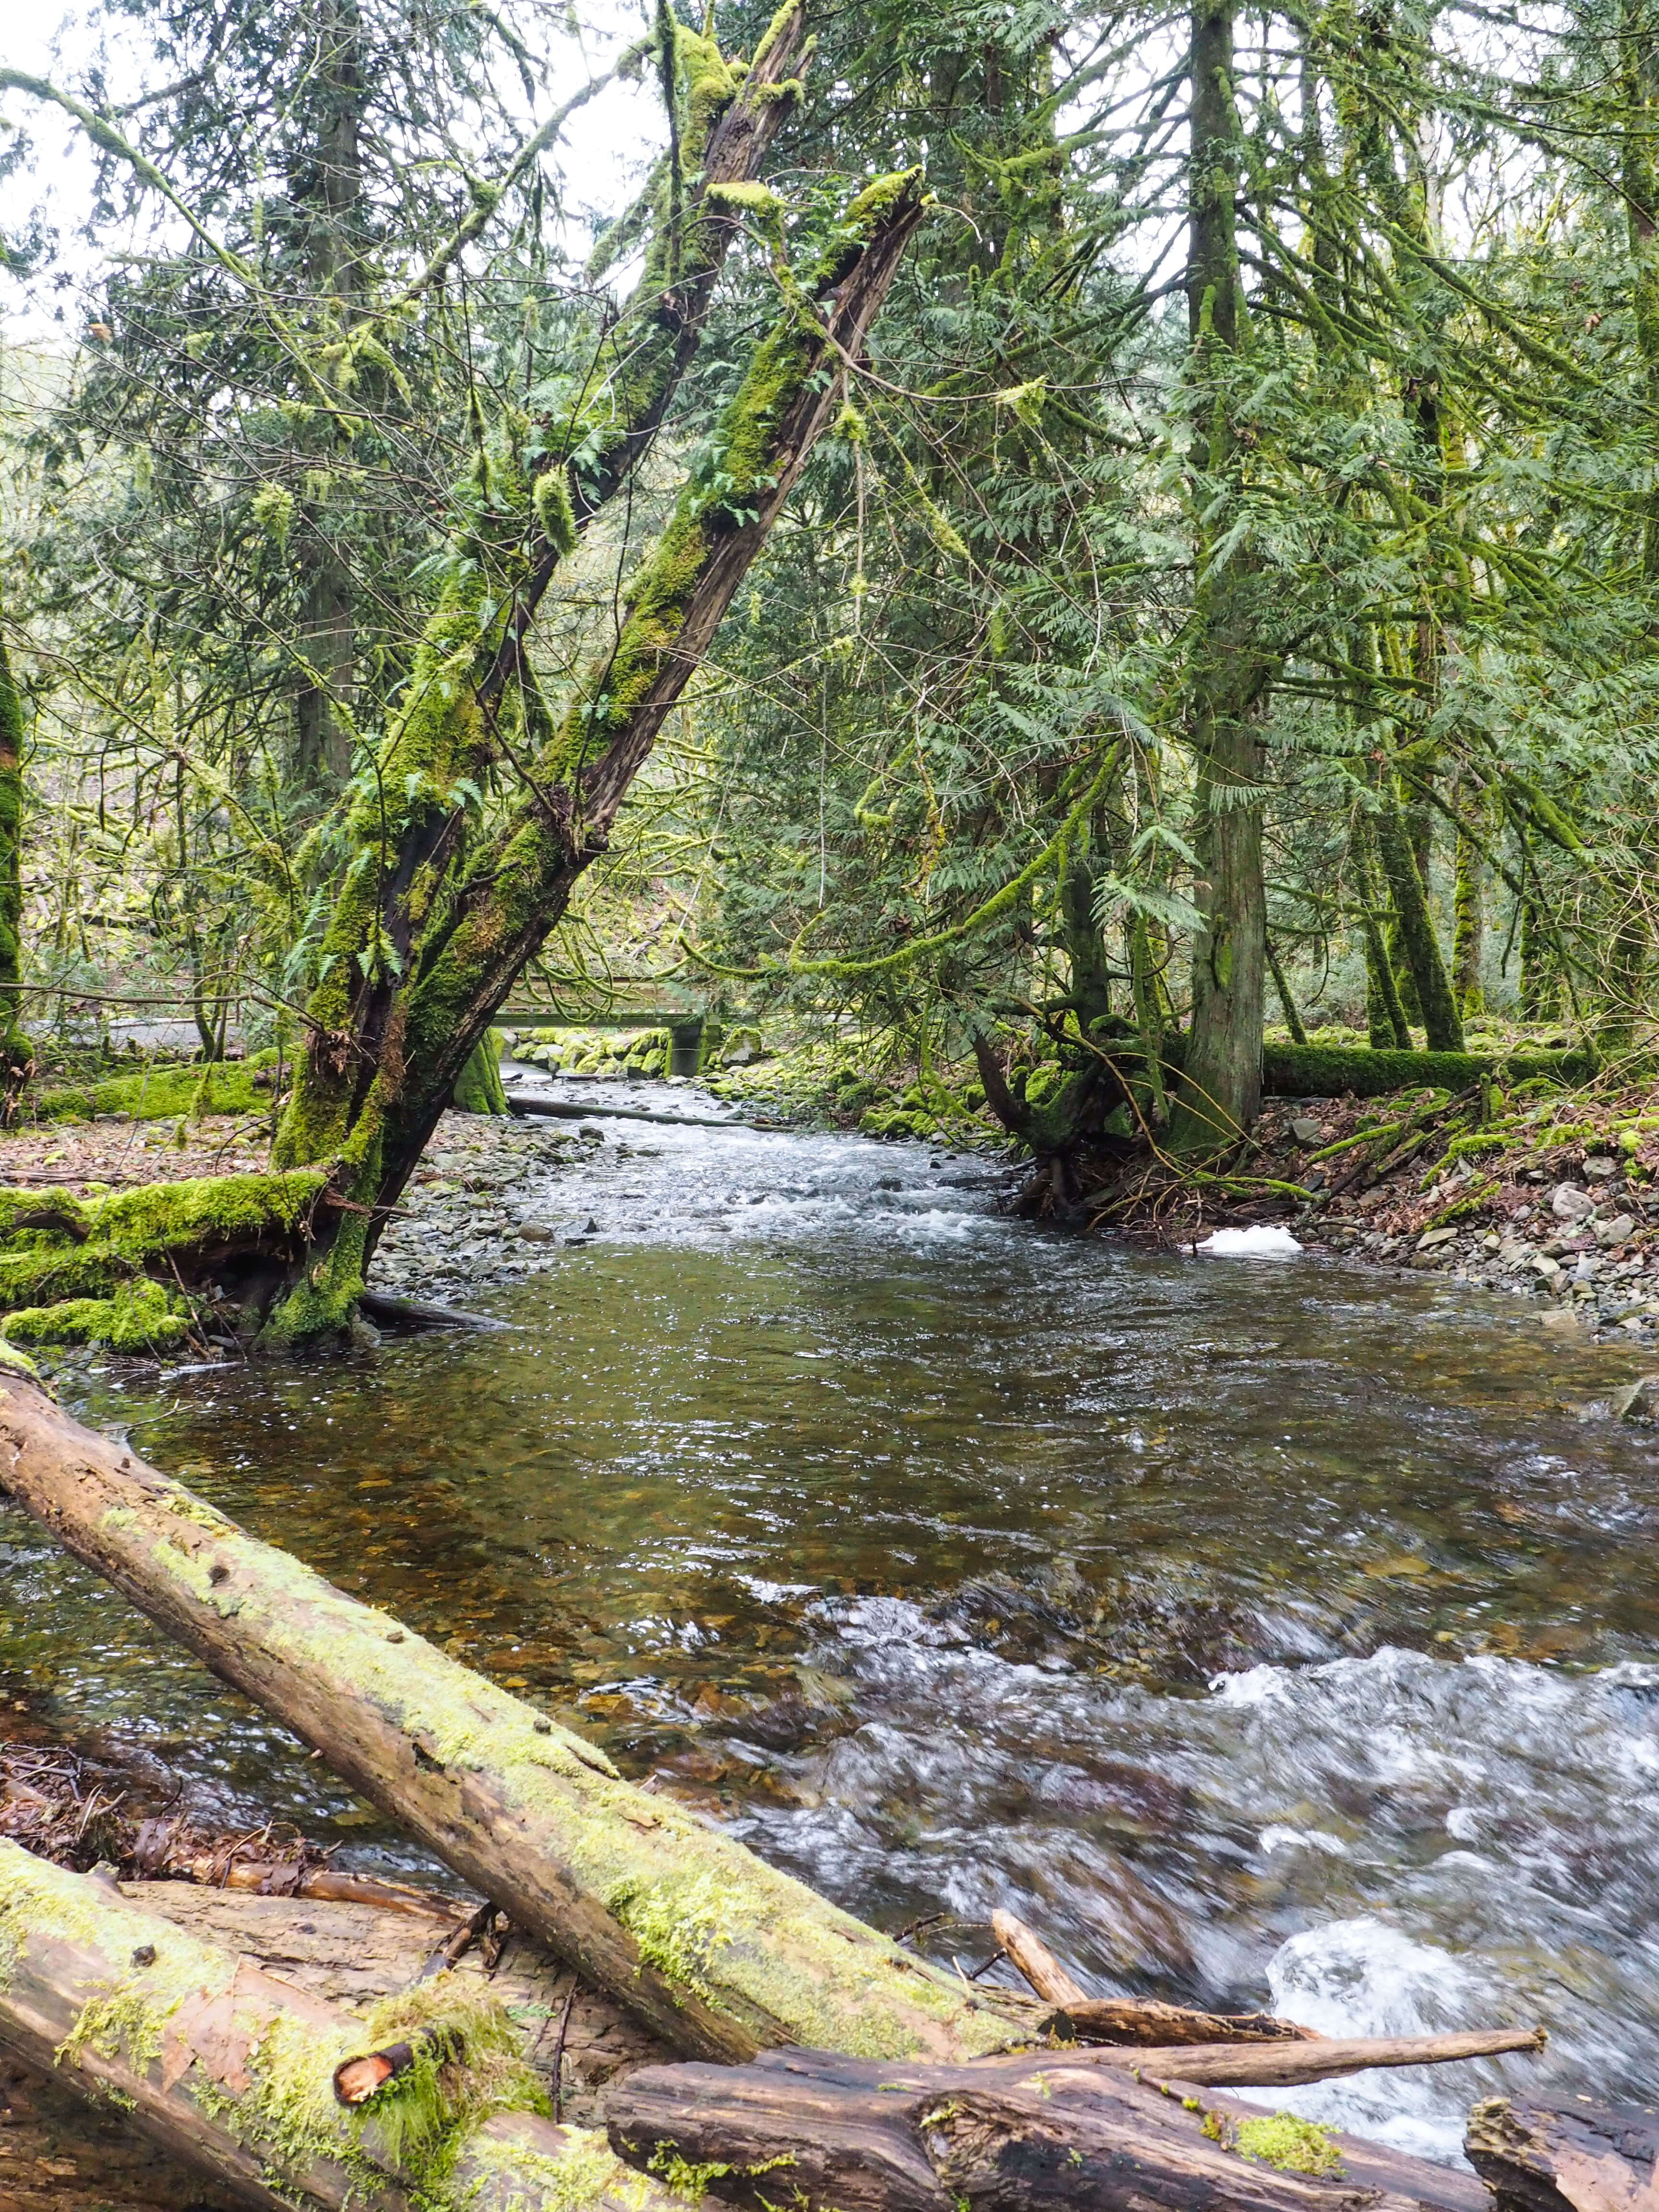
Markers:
115,1269
230,2068
576,2040
719,1953
1320,1071
1047,2132
158,1094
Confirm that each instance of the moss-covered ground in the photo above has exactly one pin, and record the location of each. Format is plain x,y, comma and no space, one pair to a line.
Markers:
160,1092
116,1267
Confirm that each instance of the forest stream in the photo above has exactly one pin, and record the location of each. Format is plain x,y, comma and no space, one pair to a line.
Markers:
1260,1631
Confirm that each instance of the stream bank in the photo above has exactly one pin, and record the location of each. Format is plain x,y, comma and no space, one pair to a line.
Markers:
1257,1632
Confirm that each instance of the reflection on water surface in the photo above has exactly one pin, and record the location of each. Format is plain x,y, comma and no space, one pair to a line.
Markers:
1251,1629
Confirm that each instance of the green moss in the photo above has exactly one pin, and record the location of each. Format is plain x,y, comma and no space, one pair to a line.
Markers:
59,1249
469,2063
141,1316
1290,2145
157,1094
584,2176
678,1925
552,501
479,1088
682,2179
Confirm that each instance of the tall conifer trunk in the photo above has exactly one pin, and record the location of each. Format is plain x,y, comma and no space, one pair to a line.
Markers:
16,1053
1228,675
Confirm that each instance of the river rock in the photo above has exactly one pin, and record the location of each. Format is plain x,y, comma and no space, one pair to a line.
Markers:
1568,1203
1306,1130
1431,1239
1548,1269
1638,1400
1616,1231
1599,1168
535,1233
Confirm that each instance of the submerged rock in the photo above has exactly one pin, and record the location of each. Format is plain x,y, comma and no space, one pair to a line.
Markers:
1638,1400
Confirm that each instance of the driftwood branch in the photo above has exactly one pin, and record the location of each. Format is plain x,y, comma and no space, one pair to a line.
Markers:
1083,2019
1032,1956
1281,2065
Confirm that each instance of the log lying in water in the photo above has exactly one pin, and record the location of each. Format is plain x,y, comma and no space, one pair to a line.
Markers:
1020,2135
1584,2158
721,1953
229,2067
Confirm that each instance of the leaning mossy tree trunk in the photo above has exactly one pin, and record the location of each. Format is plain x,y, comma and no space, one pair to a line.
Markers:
232,2069
16,1053
439,911
471,715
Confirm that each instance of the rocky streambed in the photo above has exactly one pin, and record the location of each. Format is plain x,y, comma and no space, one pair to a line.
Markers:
1577,1238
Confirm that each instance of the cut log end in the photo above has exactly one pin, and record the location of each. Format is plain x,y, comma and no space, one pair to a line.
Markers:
356,2079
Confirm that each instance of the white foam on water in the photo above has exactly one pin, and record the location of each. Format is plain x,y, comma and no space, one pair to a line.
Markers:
1363,1977
1167,1842
1260,1242
1276,1837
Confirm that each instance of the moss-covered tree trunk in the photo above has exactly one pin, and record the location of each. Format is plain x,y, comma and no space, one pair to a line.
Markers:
1442,1023
479,1089
16,1053
1470,909
439,914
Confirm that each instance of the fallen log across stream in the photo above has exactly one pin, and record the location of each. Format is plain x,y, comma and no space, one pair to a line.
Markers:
230,2069
715,1950
719,1953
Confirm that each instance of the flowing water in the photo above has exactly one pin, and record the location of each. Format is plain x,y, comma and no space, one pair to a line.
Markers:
1260,1631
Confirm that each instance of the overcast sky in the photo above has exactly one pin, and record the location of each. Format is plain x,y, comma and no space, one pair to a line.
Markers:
600,158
